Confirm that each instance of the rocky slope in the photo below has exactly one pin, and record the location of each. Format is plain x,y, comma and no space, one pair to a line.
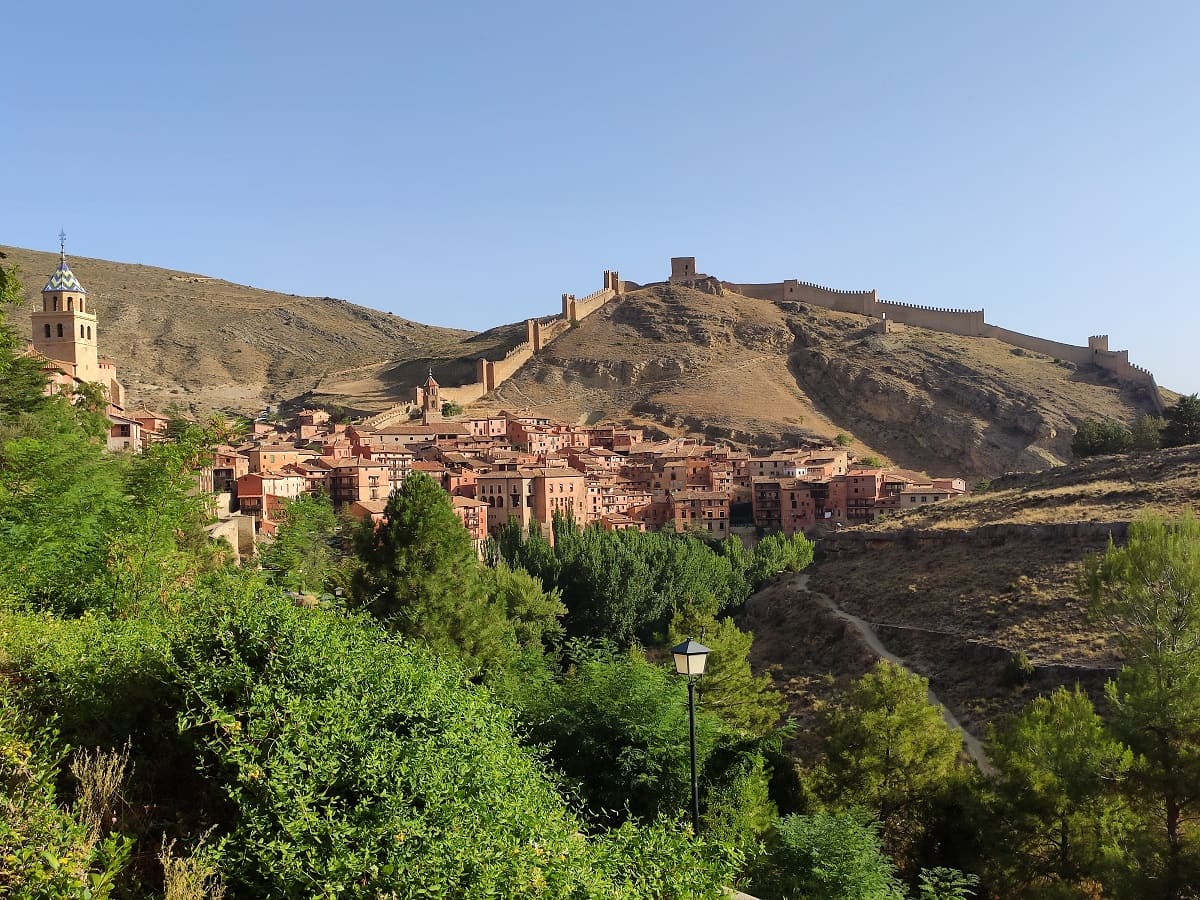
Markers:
731,366
956,590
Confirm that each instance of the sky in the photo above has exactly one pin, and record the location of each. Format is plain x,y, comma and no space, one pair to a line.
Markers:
464,164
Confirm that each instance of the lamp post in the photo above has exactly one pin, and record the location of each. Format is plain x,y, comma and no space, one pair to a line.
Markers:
690,658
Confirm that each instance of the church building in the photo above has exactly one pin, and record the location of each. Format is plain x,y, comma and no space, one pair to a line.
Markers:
66,336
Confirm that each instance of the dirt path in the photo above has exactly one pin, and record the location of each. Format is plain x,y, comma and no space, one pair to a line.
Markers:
871,639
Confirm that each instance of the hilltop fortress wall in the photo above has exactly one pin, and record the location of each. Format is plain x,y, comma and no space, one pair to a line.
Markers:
491,373
966,322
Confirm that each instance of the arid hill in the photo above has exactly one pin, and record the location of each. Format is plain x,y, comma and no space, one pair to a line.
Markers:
747,369
674,358
210,344
957,590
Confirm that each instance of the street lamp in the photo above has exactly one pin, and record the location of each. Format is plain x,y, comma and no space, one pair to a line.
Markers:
690,658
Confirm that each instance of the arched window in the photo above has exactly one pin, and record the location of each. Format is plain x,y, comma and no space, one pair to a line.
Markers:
81,332
81,304
89,332
47,329
70,304
56,304
60,334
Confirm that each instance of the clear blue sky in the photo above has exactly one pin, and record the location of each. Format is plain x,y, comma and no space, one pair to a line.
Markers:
465,163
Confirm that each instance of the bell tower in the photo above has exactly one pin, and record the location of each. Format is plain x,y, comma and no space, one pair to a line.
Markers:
65,327
431,401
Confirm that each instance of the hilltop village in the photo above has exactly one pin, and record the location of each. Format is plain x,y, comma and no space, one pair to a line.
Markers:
527,469
498,468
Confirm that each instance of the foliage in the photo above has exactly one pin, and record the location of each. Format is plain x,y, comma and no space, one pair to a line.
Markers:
1182,422
46,849
1060,817
843,439
777,553
1148,592
1147,432
22,381
1019,669
888,750
624,585
304,553
342,762
827,856
941,883
451,409
1093,438
872,462
419,575
742,699
617,727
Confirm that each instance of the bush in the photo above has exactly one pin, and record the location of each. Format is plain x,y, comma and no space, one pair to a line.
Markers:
1093,438
1019,669
828,856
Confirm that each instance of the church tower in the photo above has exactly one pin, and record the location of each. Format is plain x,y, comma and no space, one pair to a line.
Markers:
65,328
431,401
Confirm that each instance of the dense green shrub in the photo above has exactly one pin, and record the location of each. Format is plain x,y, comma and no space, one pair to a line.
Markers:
342,760
621,586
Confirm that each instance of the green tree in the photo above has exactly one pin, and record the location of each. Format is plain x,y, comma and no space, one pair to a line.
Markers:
451,409
843,439
827,856
1147,432
1061,816
1093,438
303,554
888,750
22,381
418,573
1182,422
1148,592
777,553
744,701
617,727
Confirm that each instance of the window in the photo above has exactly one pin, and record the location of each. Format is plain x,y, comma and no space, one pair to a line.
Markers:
89,337
60,334
81,332
47,330
70,304
56,304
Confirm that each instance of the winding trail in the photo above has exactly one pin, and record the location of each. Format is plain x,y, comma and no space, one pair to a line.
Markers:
871,639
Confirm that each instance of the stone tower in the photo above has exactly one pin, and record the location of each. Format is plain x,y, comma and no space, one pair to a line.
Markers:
65,328
431,401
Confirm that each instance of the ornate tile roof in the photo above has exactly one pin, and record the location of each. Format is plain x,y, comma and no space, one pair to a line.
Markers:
64,279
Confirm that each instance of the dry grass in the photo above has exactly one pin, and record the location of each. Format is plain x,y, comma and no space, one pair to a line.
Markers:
189,877
101,779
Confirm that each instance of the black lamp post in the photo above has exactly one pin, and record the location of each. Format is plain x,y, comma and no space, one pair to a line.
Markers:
690,658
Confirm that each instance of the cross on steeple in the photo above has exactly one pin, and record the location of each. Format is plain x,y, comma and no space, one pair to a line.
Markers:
62,244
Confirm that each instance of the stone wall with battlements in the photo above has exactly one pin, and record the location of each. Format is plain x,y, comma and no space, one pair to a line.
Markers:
490,374
968,322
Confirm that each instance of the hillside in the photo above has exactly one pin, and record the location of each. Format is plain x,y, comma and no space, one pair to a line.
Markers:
672,358
742,368
209,344
956,590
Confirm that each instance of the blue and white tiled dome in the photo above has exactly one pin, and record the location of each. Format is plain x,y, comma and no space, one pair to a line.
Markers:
64,279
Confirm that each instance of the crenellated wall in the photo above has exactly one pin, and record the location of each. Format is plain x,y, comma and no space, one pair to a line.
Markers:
968,322
490,374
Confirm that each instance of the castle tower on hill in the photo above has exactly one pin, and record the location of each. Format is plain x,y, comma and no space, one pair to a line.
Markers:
66,333
431,401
